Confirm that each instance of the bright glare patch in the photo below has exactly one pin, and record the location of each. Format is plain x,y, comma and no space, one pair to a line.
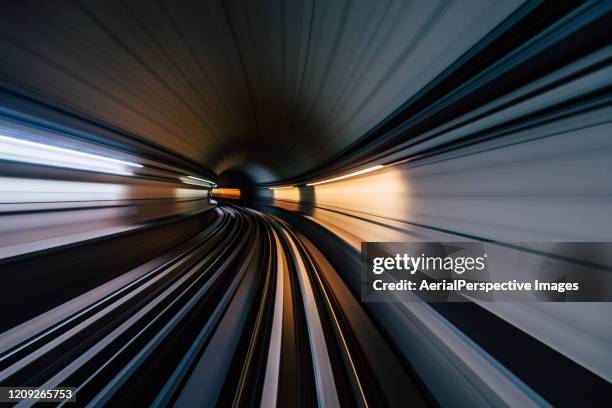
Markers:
383,194
287,194
280,188
369,169
24,151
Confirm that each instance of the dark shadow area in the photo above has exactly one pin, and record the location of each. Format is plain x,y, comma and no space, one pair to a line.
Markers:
307,200
241,180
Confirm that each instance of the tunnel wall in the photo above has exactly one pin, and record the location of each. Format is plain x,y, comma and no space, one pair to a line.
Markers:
536,187
526,188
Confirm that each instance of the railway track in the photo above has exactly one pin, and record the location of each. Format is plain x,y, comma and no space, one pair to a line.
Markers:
247,313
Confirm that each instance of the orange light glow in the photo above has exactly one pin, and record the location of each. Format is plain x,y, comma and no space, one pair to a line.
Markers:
358,208
232,193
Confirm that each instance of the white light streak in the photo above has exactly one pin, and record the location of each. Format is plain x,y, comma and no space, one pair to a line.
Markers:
25,151
196,181
201,179
369,169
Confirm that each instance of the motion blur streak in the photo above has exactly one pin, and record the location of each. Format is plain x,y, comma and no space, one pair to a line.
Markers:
40,214
259,144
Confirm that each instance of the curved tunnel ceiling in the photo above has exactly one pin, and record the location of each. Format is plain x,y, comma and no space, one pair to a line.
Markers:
273,92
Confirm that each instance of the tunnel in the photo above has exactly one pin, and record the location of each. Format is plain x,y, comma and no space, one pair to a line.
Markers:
305,203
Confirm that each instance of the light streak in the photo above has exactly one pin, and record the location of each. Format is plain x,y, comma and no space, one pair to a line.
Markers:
197,181
369,169
25,151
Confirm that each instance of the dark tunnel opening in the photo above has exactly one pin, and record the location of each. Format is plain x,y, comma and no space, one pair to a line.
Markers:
239,179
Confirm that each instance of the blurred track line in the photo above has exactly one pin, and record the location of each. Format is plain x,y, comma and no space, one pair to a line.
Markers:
326,392
243,315
336,325
270,387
